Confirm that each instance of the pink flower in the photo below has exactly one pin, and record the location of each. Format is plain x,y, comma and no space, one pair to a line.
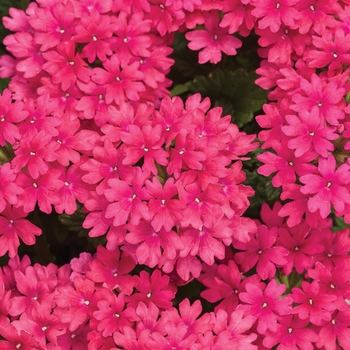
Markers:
275,12
238,17
42,190
335,331
285,163
65,66
54,25
150,245
144,142
23,46
333,281
184,154
327,187
132,36
214,39
331,49
203,207
234,328
41,110
94,30
9,189
327,97
127,202
113,314
41,323
124,82
309,133
33,153
303,244
112,268
224,283
10,114
291,333
266,305
164,208
76,301
262,252
313,305
205,242
14,226
15,338
317,15
155,288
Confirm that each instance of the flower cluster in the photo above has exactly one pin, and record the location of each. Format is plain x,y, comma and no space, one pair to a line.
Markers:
87,122
91,122
305,66
96,303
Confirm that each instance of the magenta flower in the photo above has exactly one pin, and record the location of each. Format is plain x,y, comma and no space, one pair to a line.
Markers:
40,116
112,268
124,82
164,208
313,305
13,225
333,282
155,288
113,314
213,40
224,283
41,323
152,245
10,115
266,304
94,30
65,66
128,202
262,252
286,164
132,36
42,190
234,328
308,132
33,153
317,15
9,189
326,97
23,46
303,244
144,142
291,333
335,331
331,50
327,187
203,207
273,13
106,164
184,154
76,301
33,291
53,25
15,339
238,17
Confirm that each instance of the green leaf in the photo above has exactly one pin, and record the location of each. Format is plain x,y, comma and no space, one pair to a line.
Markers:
235,90
339,224
180,89
4,84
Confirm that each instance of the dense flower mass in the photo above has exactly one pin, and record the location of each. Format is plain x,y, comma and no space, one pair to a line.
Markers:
88,126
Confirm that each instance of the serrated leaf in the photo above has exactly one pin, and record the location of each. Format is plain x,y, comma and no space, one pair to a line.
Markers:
234,89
